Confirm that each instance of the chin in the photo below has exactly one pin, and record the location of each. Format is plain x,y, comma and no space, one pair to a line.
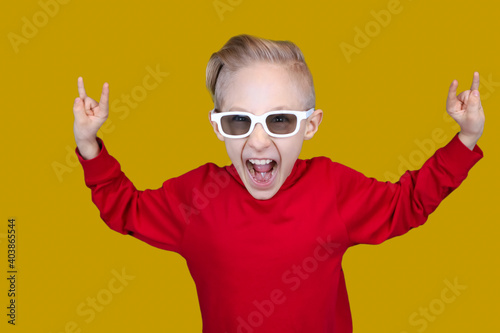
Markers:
262,195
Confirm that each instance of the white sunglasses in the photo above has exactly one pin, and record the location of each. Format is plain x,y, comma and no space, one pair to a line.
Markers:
278,124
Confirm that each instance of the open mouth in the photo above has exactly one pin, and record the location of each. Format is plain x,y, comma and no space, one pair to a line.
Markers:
262,171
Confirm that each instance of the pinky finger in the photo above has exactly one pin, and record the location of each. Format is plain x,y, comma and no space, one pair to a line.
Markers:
104,101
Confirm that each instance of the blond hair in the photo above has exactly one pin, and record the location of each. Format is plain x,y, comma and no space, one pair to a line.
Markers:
243,50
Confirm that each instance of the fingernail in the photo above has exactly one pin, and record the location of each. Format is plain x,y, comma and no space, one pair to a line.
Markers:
476,93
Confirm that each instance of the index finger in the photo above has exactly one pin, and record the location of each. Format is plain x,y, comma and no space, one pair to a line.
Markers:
452,93
81,88
475,82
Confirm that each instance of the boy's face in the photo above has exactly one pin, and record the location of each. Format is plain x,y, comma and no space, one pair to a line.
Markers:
258,89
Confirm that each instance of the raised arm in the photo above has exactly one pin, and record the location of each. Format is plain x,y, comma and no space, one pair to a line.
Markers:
374,211
153,216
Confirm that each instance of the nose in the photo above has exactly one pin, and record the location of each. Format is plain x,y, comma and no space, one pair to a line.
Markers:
259,139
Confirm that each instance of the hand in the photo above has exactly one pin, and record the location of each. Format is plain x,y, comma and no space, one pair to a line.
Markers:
467,111
89,115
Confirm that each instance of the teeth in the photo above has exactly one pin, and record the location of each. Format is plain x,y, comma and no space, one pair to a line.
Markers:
260,162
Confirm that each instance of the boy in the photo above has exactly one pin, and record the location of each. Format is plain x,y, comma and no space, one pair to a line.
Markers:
264,237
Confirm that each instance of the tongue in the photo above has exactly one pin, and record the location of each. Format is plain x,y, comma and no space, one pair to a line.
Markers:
262,173
263,167
262,176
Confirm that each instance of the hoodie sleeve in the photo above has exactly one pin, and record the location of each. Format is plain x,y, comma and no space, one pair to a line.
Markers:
374,211
153,215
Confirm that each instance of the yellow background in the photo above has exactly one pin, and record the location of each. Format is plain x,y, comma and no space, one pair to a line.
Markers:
375,106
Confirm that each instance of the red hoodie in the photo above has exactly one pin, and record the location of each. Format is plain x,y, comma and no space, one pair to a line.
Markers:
273,265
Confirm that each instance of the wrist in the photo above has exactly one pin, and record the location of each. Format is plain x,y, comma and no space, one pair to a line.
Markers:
85,140
89,149
467,140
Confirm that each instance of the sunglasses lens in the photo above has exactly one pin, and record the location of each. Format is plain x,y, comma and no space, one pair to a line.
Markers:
235,124
281,123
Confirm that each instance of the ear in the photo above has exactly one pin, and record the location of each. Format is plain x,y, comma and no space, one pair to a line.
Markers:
216,130
312,124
